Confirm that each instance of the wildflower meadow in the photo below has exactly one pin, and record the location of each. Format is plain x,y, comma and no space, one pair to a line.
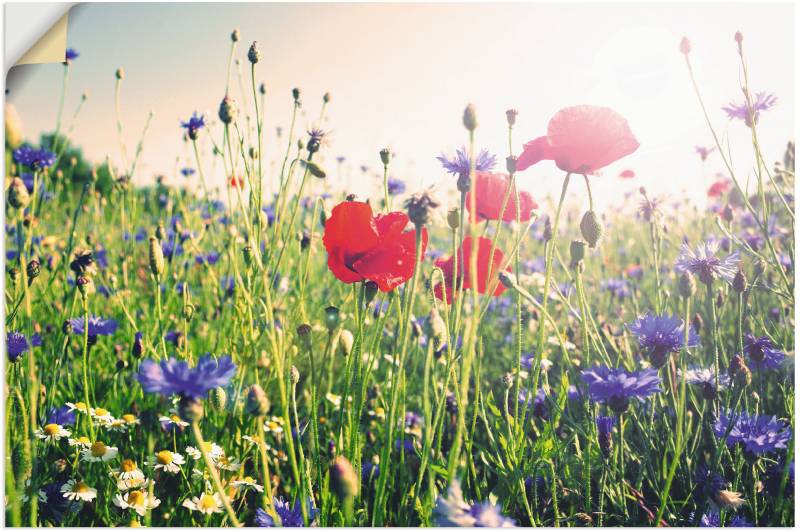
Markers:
474,355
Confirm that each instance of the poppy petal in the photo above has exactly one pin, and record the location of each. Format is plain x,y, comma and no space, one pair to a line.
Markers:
533,152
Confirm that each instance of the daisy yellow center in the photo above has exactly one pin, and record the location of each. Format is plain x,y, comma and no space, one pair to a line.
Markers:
135,524
174,418
83,439
128,465
98,449
81,487
164,457
136,498
51,429
80,406
128,418
273,426
207,502
100,412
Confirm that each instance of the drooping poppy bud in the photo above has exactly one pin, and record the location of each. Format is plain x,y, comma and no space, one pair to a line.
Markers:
591,228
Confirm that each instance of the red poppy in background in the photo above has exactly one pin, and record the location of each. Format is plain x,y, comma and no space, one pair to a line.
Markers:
464,254
365,247
719,188
627,174
235,181
490,190
581,140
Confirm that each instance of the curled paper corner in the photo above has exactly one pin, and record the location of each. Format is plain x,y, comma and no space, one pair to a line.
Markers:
51,46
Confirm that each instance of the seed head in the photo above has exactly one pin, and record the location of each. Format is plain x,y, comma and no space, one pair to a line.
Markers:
228,110
332,318
577,250
156,257
453,218
254,54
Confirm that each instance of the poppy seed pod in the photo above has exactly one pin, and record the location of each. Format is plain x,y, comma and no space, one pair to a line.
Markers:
235,35
253,54
386,156
257,401
511,164
304,336
453,218
156,257
120,73
686,285
332,318
344,481
18,196
577,250
228,110
591,228
218,398
470,118
346,341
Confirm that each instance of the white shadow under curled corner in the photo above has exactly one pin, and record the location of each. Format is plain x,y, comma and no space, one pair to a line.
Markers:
35,32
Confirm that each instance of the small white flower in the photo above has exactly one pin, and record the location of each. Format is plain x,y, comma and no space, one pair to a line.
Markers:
130,419
102,416
79,406
99,452
81,441
117,425
77,490
227,464
207,503
214,451
138,500
129,470
255,440
173,421
274,425
247,483
52,432
336,400
167,460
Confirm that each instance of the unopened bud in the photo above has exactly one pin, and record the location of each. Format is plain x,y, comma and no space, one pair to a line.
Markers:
304,336
686,285
235,35
591,228
228,110
739,282
120,73
346,341
547,233
33,270
386,156
156,257
511,117
17,194
437,329
470,119
257,401
218,398
253,54
344,481
188,312
332,318
577,250
511,164
294,375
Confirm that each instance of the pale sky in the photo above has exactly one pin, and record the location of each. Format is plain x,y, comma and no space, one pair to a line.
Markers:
401,74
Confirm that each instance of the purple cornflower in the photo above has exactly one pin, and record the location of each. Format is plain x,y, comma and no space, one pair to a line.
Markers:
773,477
738,521
526,360
193,125
71,54
413,420
289,516
758,434
650,208
618,287
762,353
316,139
660,336
703,263
616,387
61,416
704,377
707,484
395,186
187,172
740,111
171,376
704,152
605,427
97,326
16,345
710,520
459,164
35,159
369,472
209,258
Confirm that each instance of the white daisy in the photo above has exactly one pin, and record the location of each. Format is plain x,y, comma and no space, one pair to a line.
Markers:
129,470
207,503
228,464
336,400
247,483
214,450
167,460
77,490
135,480
79,406
99,452
117,425
81,441
130,419
102,416
255,440
138,500
274,425
52,432
172,421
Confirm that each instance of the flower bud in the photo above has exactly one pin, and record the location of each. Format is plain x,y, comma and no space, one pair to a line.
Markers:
419,207
253,54
739,282
137,348
727,213
33,270
436,329
120,73
738,371
547,233
591,228
17,194
453,218
370,290
188,312
511,117
470,119
686,46
511,164
218,398
346,341
257,401
296,95
344,481
507,279
697,322
332,318
686,285
507,380
313,168
577,250
85,285
386,156
262,89
247,253
304,336
235,35
228,110
156,257
294,374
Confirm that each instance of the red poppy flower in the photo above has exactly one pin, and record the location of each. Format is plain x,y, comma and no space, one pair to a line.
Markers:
236,181
719,188
627,174
365,247
490,189
464,254
580,140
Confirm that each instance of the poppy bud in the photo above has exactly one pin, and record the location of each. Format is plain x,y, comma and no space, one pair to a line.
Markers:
591,228
304,335
419,207
190,409
346,341
547,233
511,164
470,119
296,95
257,401
739,282
370,290
120,73
235,35
156,257
253,54
686,46
507,280
453,218
344,481
294,375
686,285
313,168
332,318
18,196
577,250
33,270
262,89
511,117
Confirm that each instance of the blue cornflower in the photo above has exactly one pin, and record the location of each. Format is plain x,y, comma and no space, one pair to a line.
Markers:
187,172
526,360
710,520
35,159
193,125
707,484
269,210
758,434
660,336
52,504
762,353
97,326
706,380
289,516
173,337
413,420
618,287
763,101
27,179
71,54
704,263
209,258
228,284
171,248
169,377
61,416
395,186
459,164
16,345
616,387
369,472
605,427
